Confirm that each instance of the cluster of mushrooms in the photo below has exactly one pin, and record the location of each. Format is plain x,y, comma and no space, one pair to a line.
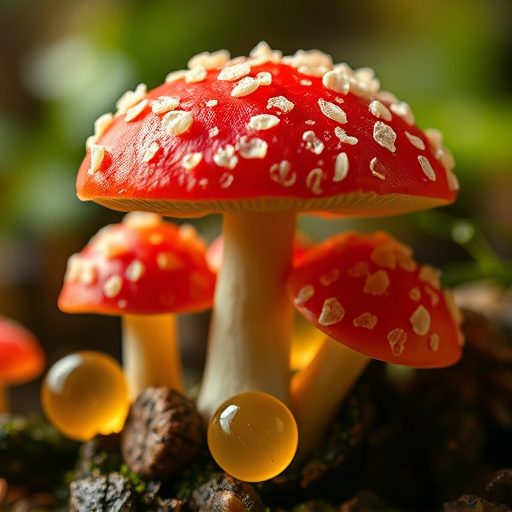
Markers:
260,140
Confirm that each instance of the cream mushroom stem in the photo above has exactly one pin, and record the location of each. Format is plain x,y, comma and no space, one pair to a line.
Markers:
318,389
151,354
252,319
4,398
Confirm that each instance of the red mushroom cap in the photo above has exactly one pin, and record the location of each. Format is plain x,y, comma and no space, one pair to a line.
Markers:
139,266
265,133
21,357
367,292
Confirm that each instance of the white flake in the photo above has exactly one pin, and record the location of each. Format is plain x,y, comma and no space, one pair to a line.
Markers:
332,312
164,104
426,167
379,110
282,173
384,135
341,166
263,122
225,157
245,87
332,111
177,122
281,103
342,135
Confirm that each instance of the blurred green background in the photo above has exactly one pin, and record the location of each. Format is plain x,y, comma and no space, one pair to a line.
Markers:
65,62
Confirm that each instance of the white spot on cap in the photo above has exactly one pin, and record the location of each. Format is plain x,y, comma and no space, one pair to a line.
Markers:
150,152
131,98
142,220
430,275
310,62
168,261
377,284
233,73
212,103
330,277
379,110
332,111
433,342
209,60
112,286
263,122
164,104
281,103
332,312
342,135
366,320
434,297
177,122
420,320
313,143
314,180
341,166
175,76
304,294
97,156
226,157
262,49
102,124
415,141
252,147
426,167
415,294
282,173
336,80
384,135
306,82
376,167
359,270
264,78
384,256
226,180
403,110
135,271
213,132
135,111
397,339
191,160
88,273
245,87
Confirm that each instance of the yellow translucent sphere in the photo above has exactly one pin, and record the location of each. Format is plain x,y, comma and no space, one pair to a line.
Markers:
84,394
253,436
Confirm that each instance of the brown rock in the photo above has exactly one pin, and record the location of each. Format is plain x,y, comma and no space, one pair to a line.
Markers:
162,434
107,493
223,493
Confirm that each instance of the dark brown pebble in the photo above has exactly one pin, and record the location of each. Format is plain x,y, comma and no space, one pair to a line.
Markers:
162,435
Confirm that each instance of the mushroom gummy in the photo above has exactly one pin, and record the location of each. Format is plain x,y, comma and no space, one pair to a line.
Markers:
84,394
253,436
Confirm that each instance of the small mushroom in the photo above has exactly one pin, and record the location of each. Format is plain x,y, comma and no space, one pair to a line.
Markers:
372,300
146,271
260,139
21,358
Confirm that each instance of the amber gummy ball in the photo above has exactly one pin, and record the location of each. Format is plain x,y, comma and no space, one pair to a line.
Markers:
253,436
84,394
